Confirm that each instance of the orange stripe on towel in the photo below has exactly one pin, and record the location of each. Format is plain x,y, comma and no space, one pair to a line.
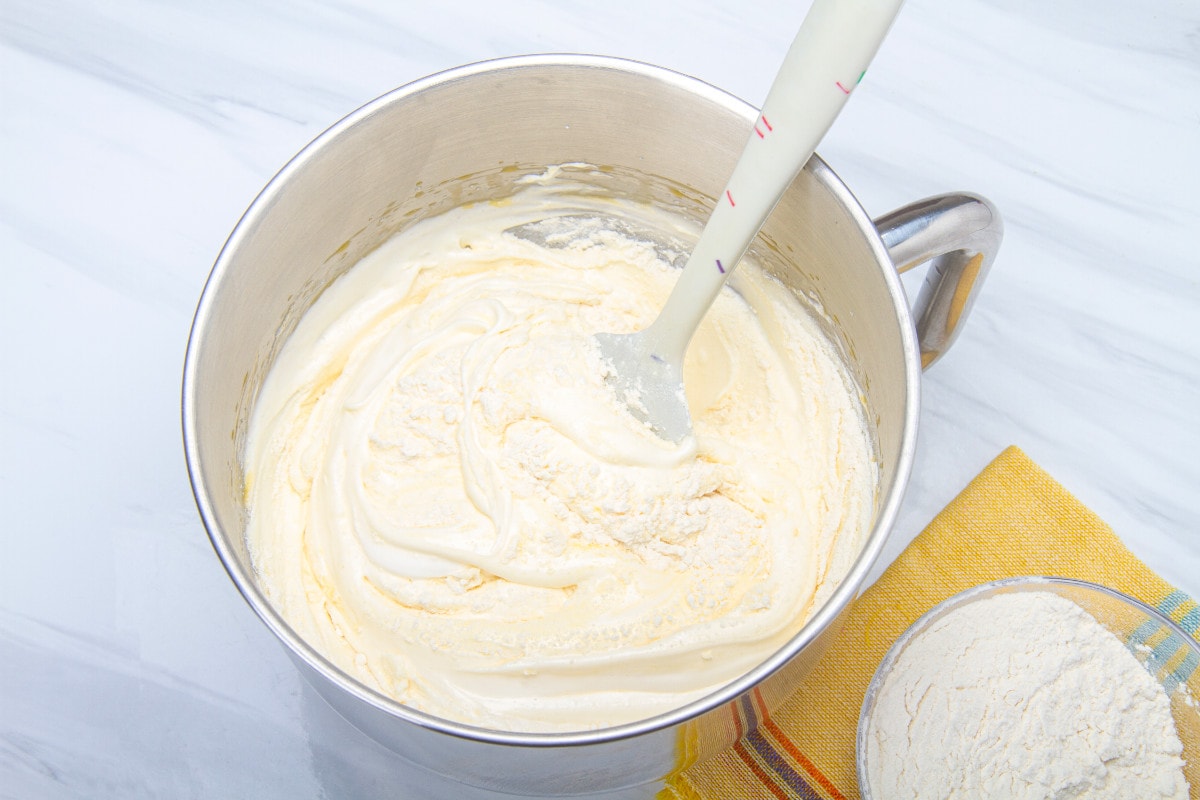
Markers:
790,748
765,779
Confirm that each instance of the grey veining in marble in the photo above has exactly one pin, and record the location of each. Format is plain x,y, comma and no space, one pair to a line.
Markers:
133,135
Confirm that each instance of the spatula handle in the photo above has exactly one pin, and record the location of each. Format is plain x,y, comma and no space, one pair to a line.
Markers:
827,59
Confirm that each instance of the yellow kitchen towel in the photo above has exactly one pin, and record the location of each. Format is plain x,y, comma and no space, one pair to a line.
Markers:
1013,519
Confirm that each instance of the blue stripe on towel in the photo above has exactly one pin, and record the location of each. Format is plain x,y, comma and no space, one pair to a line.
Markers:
1182,672
1142,633
1190,621
774,759
1172,601
787,777
1161,654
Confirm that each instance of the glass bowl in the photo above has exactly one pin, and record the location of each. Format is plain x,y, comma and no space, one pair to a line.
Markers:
1164,648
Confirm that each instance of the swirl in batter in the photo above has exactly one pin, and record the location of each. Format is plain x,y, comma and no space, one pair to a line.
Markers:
447,501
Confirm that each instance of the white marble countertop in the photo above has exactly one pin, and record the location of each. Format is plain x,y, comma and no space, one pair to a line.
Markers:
134,134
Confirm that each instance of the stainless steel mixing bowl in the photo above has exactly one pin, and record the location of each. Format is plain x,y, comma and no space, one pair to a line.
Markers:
468,135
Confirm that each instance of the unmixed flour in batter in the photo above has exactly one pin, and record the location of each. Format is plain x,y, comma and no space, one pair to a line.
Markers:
447,501
1022,696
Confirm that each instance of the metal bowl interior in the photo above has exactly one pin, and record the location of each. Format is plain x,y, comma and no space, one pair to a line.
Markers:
470,135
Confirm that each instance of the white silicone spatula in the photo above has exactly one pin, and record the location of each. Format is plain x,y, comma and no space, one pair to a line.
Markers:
829,56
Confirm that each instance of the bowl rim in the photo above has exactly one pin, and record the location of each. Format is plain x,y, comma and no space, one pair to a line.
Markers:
888,503
965,597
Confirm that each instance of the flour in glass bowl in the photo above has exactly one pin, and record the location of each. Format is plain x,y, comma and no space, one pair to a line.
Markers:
1022,695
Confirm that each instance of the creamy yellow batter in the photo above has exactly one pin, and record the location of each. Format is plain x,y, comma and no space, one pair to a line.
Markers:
448,502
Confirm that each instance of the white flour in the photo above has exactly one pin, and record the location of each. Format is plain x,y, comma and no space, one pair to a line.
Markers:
1022,695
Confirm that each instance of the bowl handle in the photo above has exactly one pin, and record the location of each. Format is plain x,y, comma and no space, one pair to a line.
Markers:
958,234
